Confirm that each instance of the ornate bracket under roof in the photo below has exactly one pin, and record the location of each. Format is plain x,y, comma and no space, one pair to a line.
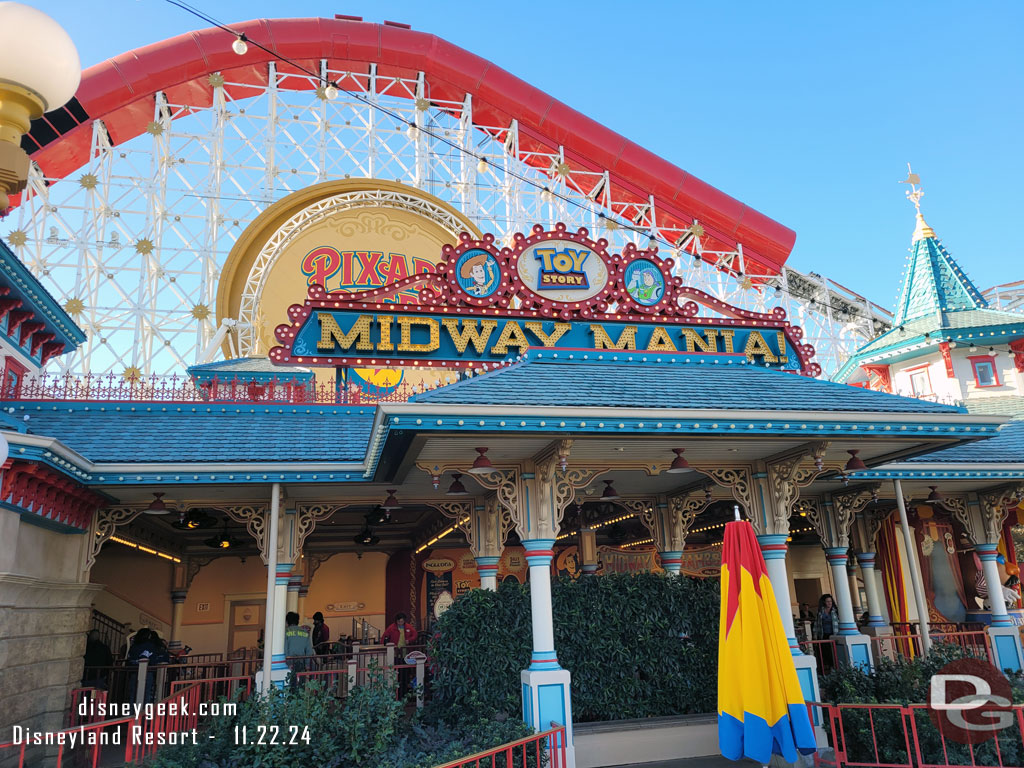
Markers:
254,518
104,523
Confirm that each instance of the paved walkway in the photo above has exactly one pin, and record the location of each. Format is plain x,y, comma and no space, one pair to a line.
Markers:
715,761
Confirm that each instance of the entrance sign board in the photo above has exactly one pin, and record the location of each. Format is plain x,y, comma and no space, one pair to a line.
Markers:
555,289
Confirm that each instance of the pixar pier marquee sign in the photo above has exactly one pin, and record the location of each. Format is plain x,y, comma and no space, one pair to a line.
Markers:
554,289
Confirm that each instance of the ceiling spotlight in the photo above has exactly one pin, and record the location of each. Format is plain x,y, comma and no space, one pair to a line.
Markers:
679,464
240,46
391,503
609,494
935,495
481,465
855,463
457,488
157,506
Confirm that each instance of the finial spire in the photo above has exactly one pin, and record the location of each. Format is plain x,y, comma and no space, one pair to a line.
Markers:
922,231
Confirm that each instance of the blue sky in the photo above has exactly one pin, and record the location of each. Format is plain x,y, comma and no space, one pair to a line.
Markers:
808,112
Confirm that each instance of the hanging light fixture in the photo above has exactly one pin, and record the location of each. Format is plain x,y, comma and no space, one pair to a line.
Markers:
456,488
481,465
481,166
366,537
224,541
935,495
855,463
157,506
992,351
331,92
391,503
240,46
679,464
609,494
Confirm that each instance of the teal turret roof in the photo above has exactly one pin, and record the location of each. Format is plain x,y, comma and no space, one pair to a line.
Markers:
933,282
937,302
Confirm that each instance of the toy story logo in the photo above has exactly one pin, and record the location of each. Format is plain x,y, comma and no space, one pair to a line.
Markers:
552,289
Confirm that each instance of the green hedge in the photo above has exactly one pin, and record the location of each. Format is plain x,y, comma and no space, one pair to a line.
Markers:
368,729
640,645
883,736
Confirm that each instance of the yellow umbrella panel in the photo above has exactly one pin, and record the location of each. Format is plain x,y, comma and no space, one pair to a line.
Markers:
761,708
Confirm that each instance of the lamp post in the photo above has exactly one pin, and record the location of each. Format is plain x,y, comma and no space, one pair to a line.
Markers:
39,72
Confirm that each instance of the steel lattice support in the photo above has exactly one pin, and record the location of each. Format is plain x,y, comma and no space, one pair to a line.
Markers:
133,246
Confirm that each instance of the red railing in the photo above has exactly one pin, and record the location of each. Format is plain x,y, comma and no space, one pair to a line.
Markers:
542,749
236,688
182,389
120,681
977,644
825,653
905,736
117,741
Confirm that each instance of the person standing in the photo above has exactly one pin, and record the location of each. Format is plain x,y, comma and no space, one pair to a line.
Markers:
297,647
98,661
321,635
826,624
401,634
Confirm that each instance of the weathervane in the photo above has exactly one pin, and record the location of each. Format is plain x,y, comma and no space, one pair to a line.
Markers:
915,193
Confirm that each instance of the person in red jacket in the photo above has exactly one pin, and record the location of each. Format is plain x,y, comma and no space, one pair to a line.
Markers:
402,635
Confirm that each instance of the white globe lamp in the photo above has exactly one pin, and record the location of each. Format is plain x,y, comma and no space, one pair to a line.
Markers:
39,72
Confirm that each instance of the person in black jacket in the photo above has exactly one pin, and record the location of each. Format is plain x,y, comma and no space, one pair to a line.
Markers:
146,645
98,661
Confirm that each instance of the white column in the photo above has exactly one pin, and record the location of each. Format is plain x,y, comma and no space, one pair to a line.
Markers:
883,606
915,569
773,548
487,567
271,554
539,556
988,555
866,560
851,571
294,583
837,558
278,666
545,683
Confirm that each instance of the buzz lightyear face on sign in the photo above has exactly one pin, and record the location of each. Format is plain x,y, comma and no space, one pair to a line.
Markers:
644,282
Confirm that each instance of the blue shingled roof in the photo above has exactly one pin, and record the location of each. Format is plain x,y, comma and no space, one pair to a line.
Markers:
1007,447
201,433
662,385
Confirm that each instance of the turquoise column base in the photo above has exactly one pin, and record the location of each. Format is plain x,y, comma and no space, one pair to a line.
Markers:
546,700
1006,648
807,674
855,650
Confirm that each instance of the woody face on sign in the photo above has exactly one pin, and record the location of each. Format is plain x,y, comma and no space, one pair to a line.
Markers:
478,273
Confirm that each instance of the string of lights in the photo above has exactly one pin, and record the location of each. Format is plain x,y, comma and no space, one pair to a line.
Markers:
330,90
147,550
447,531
